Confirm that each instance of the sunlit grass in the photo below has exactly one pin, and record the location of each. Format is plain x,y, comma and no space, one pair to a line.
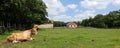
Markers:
72,38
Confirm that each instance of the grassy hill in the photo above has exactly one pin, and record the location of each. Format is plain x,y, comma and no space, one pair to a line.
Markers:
71,38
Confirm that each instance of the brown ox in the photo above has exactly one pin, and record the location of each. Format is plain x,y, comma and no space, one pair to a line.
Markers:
23,36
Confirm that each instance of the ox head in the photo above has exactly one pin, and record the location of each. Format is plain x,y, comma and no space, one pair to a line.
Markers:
34,29
36,26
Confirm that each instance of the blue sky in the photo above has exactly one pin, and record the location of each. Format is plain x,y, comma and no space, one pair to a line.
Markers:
77,10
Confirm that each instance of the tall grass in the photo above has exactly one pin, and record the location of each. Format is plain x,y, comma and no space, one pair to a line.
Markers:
72,38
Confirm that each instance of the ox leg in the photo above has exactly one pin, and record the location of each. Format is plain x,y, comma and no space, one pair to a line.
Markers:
31,38
15,41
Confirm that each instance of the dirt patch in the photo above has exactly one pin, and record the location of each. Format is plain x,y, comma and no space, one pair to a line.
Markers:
6,44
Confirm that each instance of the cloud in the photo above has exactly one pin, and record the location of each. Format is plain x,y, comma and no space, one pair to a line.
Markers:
84,15
72,6
77,17
116,2
55,7
95,4
88,8
64,18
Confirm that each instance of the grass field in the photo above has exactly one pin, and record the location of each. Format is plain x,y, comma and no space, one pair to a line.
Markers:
71,38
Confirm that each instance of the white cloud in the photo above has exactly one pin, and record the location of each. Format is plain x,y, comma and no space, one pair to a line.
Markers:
64,18
116,2
95,4
84,15
55,7
72,6
77,17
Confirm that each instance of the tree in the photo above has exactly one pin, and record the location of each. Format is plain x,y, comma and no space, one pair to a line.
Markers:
23,12
98,21
85,22
110,20
59,24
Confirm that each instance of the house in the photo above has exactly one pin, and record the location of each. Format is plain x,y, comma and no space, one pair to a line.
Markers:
46,26
72,25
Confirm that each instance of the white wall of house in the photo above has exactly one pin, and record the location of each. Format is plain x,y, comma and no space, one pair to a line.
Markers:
46,26
72,26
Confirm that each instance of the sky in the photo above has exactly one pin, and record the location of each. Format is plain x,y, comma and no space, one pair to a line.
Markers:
77,10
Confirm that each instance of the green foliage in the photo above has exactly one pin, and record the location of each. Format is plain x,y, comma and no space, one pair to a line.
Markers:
59,24
22,12
71,38
111,20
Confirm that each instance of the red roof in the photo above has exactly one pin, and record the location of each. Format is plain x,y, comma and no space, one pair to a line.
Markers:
72,23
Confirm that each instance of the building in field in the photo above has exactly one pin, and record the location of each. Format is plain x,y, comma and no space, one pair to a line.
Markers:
46,26
72,24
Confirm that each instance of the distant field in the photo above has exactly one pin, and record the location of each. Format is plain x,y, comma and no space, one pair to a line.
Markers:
71,38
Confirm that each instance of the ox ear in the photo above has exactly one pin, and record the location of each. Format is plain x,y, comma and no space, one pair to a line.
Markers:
32,30
36,25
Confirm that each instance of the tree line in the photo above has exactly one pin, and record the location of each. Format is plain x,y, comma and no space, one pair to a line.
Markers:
59,24
22,12
110,20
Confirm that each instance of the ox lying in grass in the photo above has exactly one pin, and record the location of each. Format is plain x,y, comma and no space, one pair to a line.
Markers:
23,36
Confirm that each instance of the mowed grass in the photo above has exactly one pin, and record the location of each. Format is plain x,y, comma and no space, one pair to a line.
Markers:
71,38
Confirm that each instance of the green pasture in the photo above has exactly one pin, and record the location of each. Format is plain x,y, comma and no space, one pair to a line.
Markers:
70,38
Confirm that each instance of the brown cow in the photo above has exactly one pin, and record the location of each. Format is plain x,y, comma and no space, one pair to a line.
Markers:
23,36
